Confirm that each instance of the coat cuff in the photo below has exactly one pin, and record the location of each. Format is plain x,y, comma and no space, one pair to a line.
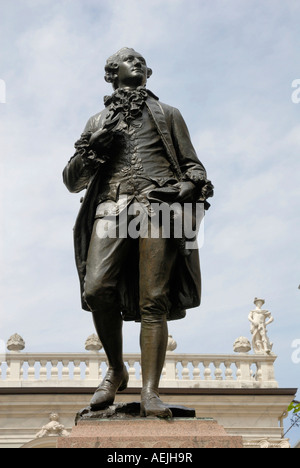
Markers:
89,157
204,187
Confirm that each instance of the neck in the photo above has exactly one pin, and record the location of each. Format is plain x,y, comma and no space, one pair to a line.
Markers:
129,88
131,83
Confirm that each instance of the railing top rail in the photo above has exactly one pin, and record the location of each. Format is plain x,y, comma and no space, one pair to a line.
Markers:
11,355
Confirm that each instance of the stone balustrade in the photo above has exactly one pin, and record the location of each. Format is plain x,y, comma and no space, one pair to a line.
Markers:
62,383
242,370
239,370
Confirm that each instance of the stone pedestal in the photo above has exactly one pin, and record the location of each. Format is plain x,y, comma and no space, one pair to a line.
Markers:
149,433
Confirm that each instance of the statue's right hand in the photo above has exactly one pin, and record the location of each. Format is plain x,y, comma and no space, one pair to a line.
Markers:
101,140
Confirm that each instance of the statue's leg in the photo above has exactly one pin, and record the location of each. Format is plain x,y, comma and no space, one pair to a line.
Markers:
157,258
105,257
153,340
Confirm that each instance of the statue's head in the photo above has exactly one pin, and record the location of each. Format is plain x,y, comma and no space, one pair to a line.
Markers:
127,68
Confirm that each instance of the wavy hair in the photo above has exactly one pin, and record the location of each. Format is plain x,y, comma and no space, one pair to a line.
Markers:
112,66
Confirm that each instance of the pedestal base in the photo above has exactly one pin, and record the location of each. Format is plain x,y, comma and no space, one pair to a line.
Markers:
128,411
149,433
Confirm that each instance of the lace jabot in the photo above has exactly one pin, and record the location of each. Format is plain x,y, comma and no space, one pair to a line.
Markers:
124,106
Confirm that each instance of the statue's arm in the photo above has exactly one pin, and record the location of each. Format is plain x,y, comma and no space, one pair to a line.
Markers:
271,319
84,163
250,317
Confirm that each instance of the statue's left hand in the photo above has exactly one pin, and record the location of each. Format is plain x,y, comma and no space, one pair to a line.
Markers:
101,139
207,190
186,191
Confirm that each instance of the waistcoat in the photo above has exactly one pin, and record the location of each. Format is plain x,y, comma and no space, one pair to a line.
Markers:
138,161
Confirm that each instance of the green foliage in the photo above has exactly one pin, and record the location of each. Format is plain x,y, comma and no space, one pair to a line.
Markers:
294,406
295,419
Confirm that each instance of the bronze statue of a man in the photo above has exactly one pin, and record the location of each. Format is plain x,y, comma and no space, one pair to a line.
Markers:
135,150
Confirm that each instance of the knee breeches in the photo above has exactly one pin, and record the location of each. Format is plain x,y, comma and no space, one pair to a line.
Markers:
106,259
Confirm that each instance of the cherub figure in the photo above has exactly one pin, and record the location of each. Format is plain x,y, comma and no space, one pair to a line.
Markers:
53,428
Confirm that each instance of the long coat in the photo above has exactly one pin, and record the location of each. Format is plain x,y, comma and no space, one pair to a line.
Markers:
185,287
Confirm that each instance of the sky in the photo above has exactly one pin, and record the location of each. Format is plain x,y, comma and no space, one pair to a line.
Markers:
231,68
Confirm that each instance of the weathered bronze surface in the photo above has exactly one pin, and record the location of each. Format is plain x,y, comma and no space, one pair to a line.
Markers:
135,151
128,411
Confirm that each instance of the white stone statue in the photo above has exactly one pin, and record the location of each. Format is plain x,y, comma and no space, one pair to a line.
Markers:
53,428
259,319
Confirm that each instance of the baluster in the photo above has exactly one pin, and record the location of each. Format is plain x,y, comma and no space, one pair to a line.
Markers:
100,373
43,370
207,371
131,369
105,361
65,375
54,369
228,371
31,370
164,372
77,370
196,370
218,371
185,370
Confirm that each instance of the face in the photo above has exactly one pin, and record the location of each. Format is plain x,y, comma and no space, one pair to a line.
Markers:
132,70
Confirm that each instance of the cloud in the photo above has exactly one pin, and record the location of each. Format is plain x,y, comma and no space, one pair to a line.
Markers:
229,68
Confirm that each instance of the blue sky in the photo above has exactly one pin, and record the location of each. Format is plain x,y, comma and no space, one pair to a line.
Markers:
229,67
